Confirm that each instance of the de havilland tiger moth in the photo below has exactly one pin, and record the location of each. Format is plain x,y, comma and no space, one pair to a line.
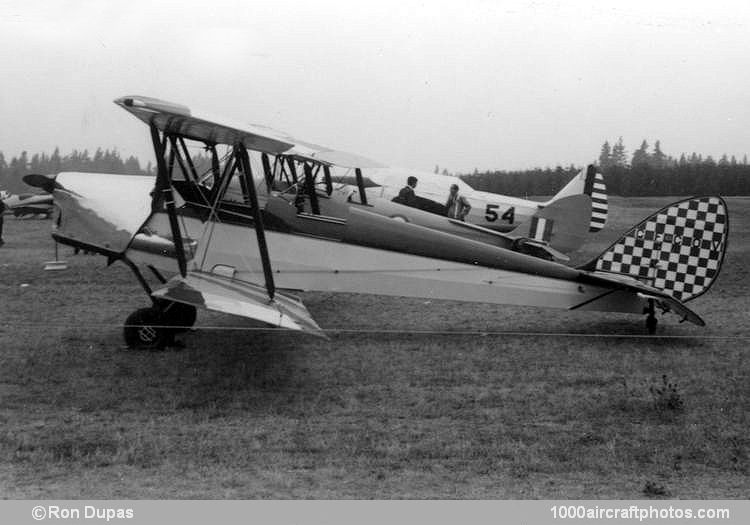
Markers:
264,222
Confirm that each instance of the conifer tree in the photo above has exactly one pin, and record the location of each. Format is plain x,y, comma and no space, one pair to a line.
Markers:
619,155
605,156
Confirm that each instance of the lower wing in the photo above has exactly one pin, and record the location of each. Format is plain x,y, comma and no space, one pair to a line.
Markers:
228,295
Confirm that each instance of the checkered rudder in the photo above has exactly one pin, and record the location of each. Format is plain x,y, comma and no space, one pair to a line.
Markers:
678,250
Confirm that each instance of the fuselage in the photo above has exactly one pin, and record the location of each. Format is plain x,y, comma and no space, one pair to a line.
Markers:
28,204
489,210
349,250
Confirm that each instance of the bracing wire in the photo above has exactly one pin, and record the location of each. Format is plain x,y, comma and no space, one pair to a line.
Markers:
410,331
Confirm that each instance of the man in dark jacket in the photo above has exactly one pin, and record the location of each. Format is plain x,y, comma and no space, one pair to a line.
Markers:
407,196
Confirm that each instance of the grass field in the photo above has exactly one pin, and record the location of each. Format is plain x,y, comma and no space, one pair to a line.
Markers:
376,414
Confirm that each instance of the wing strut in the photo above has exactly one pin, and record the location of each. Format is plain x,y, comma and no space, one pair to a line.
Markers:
310,186
189,161
361,186
164,186
292,169
329,183
243,159
215,167
267,171
174,154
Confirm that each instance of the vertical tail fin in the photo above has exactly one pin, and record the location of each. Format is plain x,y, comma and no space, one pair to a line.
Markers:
590,183
677,250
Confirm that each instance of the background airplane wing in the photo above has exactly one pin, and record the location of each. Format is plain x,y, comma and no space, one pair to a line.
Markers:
179,119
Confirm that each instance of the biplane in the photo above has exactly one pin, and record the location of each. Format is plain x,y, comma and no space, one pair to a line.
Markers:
258,225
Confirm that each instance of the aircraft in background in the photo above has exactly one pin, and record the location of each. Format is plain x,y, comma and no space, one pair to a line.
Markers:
27,204
262,224
489,210
549,230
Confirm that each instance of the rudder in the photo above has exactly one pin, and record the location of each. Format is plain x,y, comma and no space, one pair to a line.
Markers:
677,250
597,190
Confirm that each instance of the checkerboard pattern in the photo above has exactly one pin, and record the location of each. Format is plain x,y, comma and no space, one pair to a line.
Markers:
678,250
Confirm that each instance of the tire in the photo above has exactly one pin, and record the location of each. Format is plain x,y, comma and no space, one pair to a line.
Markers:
143,329
651,323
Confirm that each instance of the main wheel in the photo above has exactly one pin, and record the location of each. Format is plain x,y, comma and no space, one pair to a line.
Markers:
145,329
651,323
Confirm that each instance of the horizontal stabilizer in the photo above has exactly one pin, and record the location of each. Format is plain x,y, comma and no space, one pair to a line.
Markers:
663,300
677,307
227,295
677,250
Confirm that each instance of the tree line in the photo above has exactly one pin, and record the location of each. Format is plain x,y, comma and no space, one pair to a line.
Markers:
102,161
648,172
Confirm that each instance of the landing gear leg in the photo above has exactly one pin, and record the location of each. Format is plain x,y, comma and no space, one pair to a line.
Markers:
651,321
180,317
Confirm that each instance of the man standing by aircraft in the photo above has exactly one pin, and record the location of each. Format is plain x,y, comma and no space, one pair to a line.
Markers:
406,196
458,206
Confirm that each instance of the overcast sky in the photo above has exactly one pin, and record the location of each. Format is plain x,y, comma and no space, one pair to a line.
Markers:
462,84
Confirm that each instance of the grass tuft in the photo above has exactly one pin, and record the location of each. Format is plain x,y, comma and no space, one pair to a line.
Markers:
666,397
654,490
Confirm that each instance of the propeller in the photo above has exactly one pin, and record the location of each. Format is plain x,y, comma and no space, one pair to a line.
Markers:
45,182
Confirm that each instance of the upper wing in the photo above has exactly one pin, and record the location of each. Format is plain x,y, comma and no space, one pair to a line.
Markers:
179,119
